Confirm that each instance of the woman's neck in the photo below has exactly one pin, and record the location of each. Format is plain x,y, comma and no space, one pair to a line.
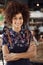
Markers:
16,29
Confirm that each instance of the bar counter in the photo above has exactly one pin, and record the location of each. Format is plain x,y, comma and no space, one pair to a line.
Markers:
39,56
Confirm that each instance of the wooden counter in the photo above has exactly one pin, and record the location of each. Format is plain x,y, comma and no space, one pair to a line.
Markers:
39,56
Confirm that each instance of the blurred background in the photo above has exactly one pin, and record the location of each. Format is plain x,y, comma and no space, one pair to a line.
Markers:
35,25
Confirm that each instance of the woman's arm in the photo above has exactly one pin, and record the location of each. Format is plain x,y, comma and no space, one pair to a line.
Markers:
8,56
16,56
31,52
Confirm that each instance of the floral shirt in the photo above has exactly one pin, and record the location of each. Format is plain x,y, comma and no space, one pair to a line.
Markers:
20,43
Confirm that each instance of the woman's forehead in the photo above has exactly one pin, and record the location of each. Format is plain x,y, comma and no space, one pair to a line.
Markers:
18,14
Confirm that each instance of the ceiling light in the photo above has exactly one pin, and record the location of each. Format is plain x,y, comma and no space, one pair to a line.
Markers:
37,4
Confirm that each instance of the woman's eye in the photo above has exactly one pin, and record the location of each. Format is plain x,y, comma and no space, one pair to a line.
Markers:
20,18
15,18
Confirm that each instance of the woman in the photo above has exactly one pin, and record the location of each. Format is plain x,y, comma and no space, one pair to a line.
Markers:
16,47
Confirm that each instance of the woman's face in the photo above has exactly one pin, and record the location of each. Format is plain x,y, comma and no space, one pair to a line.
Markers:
17,20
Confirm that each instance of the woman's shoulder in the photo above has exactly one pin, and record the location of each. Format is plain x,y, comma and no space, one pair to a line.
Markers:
6,31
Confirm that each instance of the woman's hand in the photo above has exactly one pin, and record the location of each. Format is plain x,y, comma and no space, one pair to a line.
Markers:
33,49
11,57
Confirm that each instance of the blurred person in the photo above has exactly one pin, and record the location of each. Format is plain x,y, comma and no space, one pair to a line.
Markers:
16,46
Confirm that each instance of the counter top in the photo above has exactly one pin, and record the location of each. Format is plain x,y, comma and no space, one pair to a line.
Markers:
39,56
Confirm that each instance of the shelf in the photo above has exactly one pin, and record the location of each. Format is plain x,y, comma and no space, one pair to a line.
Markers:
35,23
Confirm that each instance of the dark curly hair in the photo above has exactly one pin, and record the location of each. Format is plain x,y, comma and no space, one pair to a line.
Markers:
14,8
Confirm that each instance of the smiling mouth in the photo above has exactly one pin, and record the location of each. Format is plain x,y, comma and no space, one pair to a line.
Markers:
18,25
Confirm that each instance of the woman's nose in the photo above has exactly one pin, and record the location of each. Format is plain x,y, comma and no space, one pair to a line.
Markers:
18,21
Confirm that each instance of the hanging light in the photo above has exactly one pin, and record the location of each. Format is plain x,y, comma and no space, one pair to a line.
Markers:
37,4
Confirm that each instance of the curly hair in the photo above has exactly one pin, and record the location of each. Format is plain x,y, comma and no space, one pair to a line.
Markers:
14,8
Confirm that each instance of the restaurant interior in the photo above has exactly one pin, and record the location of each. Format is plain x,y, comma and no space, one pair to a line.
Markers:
35,25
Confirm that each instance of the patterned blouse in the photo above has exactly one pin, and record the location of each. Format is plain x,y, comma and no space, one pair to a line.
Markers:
20,41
